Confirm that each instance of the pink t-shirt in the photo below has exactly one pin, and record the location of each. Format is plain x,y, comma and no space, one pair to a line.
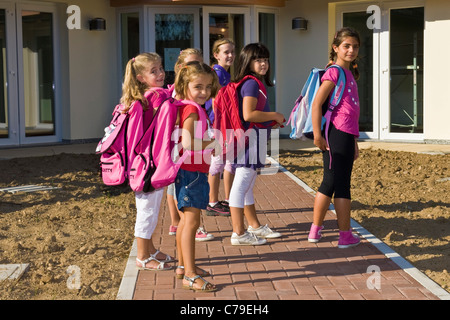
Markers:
345,116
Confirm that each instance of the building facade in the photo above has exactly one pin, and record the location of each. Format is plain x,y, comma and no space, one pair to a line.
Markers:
62,62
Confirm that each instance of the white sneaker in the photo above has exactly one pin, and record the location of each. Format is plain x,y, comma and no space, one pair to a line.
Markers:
264,232
247,239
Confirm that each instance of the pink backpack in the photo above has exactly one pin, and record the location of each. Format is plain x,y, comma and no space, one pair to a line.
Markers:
155,165
113,149
121,137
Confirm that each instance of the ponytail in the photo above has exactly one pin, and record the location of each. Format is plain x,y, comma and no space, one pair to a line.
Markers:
133,89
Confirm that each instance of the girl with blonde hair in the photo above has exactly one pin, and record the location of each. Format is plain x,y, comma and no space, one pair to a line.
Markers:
141,93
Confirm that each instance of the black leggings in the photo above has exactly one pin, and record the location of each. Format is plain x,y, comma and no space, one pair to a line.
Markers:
337,180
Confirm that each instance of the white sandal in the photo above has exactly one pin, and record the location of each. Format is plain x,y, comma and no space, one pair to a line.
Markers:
167,259
143,263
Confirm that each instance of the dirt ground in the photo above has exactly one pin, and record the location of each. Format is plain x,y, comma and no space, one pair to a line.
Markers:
77,237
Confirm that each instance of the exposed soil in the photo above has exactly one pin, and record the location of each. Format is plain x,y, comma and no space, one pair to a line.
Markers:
402,198
83,224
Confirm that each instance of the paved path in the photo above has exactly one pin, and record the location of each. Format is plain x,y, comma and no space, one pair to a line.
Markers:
287,268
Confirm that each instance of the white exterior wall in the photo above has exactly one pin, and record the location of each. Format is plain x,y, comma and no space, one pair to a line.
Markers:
92,71
437,69
94,77
299,50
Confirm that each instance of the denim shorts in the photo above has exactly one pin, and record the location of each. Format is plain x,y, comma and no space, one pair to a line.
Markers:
192,189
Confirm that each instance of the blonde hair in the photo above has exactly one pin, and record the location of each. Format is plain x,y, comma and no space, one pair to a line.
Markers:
183,55
218,43
132,88
189,72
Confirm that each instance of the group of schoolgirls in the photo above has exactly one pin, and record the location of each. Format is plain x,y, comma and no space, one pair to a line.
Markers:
196,186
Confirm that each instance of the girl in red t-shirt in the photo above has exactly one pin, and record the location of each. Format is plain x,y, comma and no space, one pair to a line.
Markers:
196,82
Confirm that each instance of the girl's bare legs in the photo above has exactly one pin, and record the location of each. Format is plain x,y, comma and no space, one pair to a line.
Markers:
145,248
237,218
321,205
190,221
174,215
227,183
178,239
214,182
191,217
343,207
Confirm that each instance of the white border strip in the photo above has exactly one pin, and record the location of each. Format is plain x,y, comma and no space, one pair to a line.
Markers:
419,276
129,279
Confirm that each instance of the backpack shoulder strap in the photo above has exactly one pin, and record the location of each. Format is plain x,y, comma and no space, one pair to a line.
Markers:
262,88
334,101
201,118
339,89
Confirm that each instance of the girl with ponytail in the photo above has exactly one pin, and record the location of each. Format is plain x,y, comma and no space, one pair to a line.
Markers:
142,94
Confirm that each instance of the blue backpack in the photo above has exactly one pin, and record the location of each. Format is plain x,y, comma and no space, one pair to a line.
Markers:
300,118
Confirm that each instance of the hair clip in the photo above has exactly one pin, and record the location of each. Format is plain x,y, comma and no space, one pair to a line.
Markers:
133,59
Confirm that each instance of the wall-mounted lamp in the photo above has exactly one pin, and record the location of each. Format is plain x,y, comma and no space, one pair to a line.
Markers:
299,24
97,24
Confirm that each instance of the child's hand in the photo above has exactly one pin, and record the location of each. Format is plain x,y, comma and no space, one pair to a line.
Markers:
279,118
215,147
278,121
321,143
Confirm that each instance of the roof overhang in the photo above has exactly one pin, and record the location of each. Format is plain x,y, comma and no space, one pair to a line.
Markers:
125,3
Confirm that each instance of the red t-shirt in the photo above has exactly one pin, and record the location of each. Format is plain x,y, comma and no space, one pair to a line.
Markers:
196,162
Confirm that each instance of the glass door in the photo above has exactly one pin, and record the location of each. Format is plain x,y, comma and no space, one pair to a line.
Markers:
174,29
38,99
9,114
225,22
391,68
267,35
402,74
28,112
356,16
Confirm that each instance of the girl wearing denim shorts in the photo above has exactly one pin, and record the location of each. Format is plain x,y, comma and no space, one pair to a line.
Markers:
197,82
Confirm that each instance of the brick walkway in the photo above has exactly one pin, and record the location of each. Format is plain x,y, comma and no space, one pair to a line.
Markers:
286,268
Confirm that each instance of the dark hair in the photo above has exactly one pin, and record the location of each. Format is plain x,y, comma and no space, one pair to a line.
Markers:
251,52
339,37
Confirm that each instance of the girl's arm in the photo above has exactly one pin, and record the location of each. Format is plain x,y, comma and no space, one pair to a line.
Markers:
250,113
188,140
316,113
356,149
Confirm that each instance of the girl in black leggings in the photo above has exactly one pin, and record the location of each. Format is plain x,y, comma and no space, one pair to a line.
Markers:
341,143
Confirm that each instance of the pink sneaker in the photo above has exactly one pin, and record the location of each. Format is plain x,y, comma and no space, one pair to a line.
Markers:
202,235
347,239
315,233
173,230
